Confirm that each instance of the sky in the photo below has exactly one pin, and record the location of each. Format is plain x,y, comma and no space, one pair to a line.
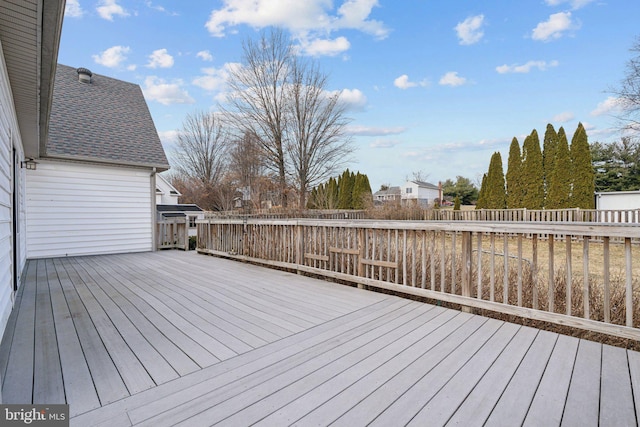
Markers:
433,87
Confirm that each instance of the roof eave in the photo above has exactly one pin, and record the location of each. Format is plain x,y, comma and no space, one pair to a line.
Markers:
86,159
51,30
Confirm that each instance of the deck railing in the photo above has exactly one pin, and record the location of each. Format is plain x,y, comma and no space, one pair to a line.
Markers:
172,234
625,216
576,274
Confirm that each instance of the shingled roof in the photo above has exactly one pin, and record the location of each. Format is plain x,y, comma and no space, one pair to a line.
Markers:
106,120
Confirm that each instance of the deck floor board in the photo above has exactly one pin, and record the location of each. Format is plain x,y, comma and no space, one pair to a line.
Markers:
177,338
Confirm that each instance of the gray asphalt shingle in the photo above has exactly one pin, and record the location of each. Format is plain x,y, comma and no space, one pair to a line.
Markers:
106,120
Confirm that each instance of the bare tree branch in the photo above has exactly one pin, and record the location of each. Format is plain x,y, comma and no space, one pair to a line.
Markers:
202,152
317,144
629,92
257,98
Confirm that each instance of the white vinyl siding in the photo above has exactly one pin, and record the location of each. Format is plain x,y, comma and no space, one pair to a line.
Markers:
79,209
9,135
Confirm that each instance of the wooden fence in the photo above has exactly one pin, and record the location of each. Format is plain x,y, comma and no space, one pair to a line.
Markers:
289,213
172,234
624,216
579,274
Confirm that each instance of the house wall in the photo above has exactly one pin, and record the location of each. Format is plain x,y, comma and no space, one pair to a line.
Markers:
620,200
423,196
86,209
166,198
9,141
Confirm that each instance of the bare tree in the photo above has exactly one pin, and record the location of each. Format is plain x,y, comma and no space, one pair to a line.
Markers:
284,102
317,145
419,175
202,154
257,99
247,166
629,91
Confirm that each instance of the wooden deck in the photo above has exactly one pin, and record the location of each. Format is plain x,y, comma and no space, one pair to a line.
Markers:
174,337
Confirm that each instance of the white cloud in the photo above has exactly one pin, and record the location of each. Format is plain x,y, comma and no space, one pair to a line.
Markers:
214,79
325,47
554,27
374,131
112,57
132,67
470,31
157,89
575,4
452,79
205,55
109,8
354,99
168,137
385,143
608,106
309,21
72,9
563,117
403,82
150,5
525,68
160,59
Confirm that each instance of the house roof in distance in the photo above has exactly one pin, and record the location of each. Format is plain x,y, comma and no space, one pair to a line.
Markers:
389,191
425,184
102,119
178,208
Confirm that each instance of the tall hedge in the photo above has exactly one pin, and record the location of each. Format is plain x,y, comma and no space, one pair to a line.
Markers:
514,176
481,203
549,148
532,173
495,195
582,174
559,183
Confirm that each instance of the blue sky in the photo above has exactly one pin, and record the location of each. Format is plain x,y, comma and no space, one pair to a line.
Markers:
432,86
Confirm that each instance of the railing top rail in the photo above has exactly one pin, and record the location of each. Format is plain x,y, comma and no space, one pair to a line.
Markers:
567,228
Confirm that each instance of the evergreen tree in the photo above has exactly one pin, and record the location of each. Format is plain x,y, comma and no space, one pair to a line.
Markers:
480,203
332,195
456,203
532,173
617,165
549,148
496,197
514,176
582,175
361,194
345,189
559,184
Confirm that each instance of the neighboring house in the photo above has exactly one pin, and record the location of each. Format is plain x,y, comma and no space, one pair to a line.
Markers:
390,195
191,212
29,40
166,194
420,193
167,205
93,190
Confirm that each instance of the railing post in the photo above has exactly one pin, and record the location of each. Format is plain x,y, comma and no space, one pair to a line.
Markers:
466,267
361,255
299,247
